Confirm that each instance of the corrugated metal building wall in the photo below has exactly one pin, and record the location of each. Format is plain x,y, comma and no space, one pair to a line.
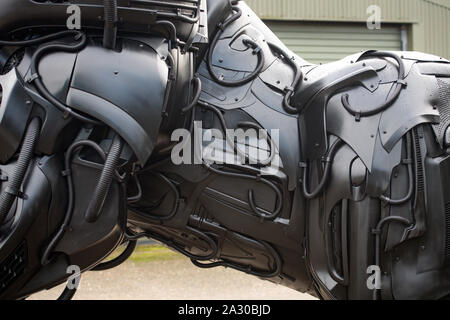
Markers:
427,22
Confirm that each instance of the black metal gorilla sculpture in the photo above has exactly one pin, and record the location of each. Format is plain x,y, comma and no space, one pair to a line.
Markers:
356,207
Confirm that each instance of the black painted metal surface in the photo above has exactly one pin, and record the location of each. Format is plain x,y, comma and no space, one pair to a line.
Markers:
361,180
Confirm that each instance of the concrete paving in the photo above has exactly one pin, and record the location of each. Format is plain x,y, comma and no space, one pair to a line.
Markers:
173,279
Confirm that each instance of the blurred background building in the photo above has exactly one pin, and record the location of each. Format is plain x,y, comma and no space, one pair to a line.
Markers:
321,31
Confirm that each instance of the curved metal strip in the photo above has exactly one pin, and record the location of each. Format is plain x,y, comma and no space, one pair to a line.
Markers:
120,121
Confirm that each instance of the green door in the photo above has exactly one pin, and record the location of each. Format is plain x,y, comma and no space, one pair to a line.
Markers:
326,42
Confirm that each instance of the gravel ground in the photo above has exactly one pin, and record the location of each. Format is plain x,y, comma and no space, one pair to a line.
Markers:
173,279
